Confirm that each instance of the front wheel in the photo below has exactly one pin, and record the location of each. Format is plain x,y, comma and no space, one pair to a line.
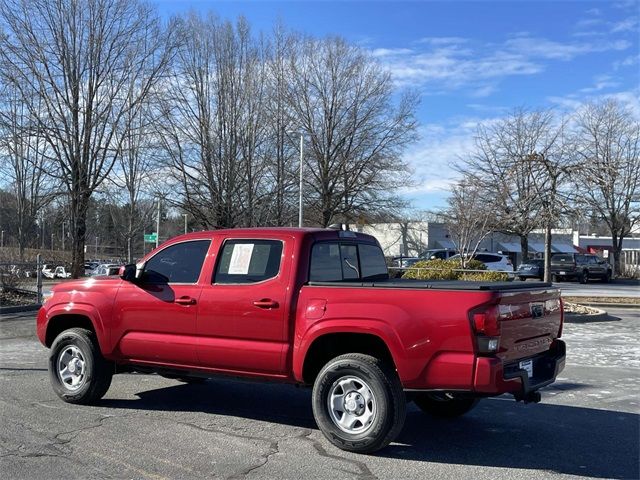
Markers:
77,369
444,405
358,403
584,278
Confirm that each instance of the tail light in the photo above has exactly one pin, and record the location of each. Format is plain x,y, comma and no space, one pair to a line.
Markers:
486,322
487,329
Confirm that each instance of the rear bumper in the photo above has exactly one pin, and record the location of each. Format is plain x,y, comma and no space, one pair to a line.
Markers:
492,377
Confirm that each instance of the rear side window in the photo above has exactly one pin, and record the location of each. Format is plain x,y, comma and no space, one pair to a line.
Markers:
372,262
335,262
485,258
179,263
248,261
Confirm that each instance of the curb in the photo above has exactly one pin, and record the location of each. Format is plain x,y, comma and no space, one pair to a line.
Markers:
20,308
611,305
582,318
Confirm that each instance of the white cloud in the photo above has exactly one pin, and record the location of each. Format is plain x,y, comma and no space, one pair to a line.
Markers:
627,25
449,63
629,61
569,103
549,49
601,82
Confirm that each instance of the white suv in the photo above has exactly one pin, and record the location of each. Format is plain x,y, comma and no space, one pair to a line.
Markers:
496,262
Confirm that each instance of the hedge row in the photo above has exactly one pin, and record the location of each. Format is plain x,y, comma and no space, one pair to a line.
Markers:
451,270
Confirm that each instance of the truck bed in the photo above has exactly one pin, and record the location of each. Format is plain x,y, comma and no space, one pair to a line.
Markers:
437,284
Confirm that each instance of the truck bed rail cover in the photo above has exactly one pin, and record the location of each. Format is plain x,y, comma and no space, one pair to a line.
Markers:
437,284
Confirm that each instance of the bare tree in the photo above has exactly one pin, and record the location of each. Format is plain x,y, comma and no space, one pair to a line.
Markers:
81,66
607,180
355,132
499,167
282,130
551,169
131,175
467,218
213,122
24,164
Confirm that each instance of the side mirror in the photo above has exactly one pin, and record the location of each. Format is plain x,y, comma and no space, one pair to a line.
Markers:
139,270
128,272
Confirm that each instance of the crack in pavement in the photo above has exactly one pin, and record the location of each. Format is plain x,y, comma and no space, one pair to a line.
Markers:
274,448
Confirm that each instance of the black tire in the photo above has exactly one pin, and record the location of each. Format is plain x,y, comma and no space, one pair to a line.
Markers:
522,279
607,277
584,277
96,372
442,406
388,402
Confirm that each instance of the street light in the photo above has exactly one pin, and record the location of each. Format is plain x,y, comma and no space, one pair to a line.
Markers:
300,190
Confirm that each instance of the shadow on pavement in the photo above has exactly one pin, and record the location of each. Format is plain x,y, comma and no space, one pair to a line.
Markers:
498,433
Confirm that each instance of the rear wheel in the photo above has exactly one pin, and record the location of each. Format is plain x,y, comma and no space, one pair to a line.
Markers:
358,403
77,369
444,405
607,277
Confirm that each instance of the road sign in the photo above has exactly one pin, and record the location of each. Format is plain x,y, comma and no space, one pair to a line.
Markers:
150,237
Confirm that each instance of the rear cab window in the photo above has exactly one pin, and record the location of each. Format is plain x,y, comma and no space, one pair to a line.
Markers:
562,258
335,261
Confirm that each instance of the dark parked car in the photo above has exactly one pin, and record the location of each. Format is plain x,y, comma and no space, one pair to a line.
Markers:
531,269
579,266
438,253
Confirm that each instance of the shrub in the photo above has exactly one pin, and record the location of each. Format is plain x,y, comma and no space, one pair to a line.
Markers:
488,276
434,270
450,270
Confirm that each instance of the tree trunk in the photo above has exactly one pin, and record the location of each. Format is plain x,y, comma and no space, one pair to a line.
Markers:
616,244
79,221
547,253
524,247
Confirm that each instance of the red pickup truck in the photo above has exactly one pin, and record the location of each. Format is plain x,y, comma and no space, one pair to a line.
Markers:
312,307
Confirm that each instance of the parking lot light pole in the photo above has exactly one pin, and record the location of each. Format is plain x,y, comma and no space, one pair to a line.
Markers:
158,225
300,189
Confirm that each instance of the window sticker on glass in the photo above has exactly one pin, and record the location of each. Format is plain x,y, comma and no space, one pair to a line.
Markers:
240,258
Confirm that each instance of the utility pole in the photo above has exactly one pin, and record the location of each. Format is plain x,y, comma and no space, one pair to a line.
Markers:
2,241
185,221
63,235
301,164
51,240
158,225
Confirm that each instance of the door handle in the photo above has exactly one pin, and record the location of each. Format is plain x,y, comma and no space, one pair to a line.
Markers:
185,301
266,303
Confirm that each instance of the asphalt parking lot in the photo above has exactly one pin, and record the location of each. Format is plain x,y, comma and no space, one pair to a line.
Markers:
151,427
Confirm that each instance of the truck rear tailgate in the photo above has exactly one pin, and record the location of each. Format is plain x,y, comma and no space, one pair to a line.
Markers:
529,322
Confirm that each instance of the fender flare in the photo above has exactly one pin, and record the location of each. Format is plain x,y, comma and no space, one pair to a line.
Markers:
376,328
85,310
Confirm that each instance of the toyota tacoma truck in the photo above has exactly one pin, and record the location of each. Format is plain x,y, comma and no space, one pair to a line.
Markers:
313,307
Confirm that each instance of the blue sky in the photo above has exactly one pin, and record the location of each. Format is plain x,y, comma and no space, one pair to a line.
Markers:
472,61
